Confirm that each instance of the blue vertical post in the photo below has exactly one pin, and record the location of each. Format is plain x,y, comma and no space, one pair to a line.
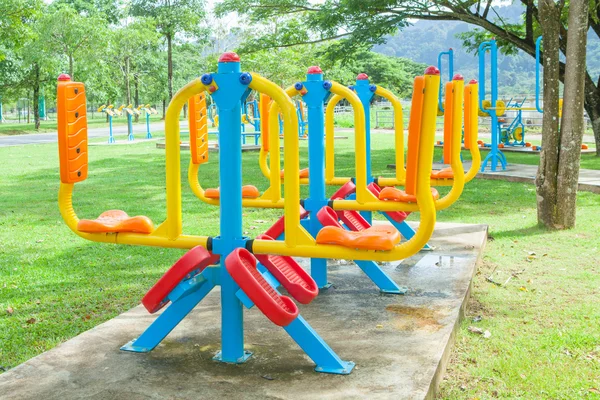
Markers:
450,54
231,86
148,134
317,92
130,126
538,63
495,154
366,92
111,138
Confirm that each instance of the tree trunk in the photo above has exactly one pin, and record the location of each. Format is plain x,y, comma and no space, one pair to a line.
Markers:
36,95
549,15
185,111
71,67
170,65
572,125
136,96
164,101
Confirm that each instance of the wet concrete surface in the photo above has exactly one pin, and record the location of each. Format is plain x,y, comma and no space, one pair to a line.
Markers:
400,343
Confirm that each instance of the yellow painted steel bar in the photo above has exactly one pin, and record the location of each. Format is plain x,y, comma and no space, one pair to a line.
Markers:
173,155
156,238
330,178
363,195
292,158
398,130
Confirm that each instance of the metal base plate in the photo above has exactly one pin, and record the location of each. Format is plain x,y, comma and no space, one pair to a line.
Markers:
348,367
133,348
241,360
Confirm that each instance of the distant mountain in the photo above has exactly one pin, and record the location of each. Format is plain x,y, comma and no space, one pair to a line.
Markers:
423,41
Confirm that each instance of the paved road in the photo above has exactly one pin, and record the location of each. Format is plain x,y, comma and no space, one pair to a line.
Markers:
51,137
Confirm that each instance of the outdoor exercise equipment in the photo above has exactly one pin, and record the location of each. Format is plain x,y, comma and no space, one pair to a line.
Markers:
453,128
314,92
42,107
230,259
495,155
129,113
148,110
109,111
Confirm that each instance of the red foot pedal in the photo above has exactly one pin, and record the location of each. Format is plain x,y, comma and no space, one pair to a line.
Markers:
347,189
299,284
353,220
279,227
398,216
328,217
241,265
197,258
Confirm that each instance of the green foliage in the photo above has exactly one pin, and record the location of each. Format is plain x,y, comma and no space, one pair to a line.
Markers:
111,10
15,19
71,34
172,16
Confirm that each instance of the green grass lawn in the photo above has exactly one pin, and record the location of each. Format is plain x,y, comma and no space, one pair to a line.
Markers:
54,285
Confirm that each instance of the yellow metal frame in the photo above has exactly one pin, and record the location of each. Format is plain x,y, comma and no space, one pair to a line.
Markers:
298,241
330,178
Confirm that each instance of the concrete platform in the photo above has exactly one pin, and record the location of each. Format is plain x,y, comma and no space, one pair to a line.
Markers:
589,179
400,344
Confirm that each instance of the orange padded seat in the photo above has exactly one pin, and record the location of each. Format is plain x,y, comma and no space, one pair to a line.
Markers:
303,173
378,237
113,221
248,192
445,173
393,194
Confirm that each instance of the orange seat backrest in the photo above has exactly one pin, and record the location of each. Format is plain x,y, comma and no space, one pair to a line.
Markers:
414,133
198,128
265,104
448,127
72,131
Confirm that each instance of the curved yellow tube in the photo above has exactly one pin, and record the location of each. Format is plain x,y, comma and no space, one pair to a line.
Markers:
65,202
304,246
398,130
269,199
265,166
472,124
363,195
330,178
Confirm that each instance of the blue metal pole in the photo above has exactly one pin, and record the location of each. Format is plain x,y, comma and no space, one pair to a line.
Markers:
148,134
366,91
228,99
130,127
538,61
450,54
111,138
495,154
317,92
